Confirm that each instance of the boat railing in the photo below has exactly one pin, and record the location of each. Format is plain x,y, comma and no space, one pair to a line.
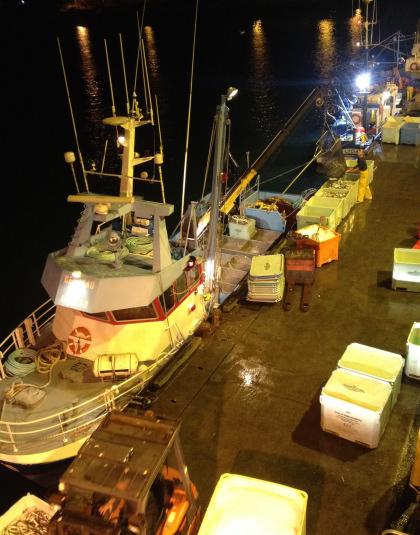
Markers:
250,191
26,333
65,425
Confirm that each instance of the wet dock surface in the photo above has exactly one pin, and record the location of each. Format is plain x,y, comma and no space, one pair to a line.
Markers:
249,396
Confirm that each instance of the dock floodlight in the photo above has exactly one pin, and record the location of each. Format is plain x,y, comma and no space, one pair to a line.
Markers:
231,92
363,81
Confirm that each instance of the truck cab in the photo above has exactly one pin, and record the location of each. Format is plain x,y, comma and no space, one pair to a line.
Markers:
128,478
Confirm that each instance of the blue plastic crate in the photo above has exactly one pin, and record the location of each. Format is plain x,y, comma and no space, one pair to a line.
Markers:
410,134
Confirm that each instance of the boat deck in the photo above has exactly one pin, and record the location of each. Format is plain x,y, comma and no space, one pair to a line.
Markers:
249,396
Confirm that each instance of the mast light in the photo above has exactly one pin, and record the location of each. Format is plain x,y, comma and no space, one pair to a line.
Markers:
231,92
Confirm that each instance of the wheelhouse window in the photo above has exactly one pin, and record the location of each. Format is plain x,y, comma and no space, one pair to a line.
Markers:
181,286
194,275
167,299
97,315
135,313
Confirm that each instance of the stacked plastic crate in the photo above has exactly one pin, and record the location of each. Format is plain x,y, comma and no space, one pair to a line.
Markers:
266,279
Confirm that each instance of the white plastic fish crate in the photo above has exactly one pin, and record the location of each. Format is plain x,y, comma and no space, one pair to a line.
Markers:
375,363
318,215
245,506
329,202
406,270
329,193
355,407
412,361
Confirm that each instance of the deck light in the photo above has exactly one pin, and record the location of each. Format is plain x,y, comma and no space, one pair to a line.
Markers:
231,92
363,81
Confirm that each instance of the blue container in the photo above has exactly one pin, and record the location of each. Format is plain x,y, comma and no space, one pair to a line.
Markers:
410,134
270,219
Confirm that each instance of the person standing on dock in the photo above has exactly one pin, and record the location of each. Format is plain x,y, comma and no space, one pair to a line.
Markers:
364,190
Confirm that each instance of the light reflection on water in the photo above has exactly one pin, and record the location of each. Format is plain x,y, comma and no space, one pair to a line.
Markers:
90,75
261,82
151,53
326,52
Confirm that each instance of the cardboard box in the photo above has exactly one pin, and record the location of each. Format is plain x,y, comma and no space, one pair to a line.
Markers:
355,407
375,363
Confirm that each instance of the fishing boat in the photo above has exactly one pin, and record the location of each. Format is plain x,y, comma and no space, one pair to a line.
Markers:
122,305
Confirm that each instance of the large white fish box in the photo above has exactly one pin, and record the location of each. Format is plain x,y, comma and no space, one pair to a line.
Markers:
412,361
242,228
406,270
316,215
375,363
247,506
330,193
355,407
391,130
329,202
339,186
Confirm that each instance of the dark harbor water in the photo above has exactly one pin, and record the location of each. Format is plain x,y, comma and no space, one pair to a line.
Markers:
274,52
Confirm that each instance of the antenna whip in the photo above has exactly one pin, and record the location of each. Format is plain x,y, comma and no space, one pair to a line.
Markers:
188,124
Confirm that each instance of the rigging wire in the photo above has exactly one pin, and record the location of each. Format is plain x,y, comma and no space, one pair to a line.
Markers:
72,117
146,76
184,178
140,31
125,77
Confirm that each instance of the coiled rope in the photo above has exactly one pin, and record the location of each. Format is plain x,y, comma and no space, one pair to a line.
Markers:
20,362
139,245
45,361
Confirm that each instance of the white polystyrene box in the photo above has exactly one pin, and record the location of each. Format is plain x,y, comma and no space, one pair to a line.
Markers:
248,506
355,407
375,363
412,361
406,269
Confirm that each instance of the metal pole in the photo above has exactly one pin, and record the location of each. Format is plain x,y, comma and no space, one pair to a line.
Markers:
211,264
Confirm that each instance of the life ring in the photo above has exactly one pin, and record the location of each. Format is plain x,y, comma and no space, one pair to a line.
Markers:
413,66
79,341
356,118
